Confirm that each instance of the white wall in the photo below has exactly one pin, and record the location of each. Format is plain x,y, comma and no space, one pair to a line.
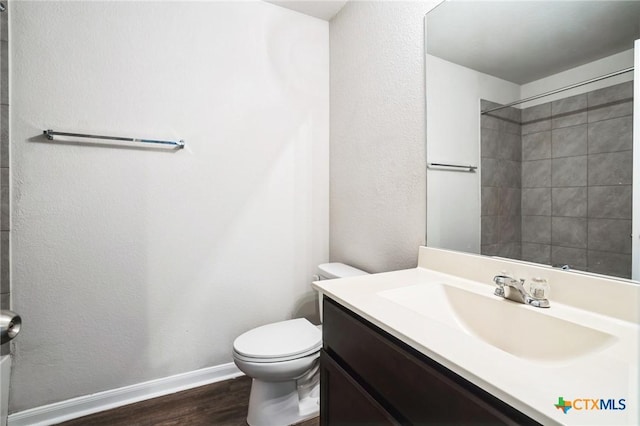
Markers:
134,264
453,137
378,184
585,72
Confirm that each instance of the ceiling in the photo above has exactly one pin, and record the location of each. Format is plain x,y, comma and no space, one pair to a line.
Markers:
523,41
323,9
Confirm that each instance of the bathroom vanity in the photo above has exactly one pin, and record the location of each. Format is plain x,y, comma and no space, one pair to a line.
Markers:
434,345
369,376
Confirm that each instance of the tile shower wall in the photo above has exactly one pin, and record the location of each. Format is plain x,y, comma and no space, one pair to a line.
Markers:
4,168
501,171
576,181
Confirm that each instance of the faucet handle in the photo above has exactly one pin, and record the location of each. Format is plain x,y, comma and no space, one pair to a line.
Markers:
499,281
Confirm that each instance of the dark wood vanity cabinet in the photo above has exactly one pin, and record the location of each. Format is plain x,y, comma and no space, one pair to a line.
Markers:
370,377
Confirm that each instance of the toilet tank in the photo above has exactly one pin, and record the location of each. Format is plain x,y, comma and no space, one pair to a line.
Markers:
329,271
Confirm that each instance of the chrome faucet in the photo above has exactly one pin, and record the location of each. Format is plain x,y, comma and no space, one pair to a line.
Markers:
512,289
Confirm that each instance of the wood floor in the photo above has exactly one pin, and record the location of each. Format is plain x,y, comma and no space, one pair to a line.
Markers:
223,403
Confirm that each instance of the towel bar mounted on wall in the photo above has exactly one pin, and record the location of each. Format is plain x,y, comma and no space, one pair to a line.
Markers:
50,134
453,167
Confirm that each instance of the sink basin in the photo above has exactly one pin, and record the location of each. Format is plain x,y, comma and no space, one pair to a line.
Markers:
512,327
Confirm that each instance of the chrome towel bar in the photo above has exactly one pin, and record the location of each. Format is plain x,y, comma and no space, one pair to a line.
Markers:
454,167
50,134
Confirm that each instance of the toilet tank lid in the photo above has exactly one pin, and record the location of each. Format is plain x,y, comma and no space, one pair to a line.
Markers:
338,270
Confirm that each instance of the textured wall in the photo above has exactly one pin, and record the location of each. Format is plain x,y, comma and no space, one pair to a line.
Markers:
378,183
5,222
138,263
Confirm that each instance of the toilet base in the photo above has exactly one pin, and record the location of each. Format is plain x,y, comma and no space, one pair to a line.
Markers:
281,403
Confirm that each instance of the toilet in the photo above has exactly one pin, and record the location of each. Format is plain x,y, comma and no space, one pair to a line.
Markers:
283,360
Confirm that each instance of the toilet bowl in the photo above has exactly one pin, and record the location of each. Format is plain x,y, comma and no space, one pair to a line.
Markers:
283,361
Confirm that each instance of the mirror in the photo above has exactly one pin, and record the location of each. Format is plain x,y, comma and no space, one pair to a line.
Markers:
548,178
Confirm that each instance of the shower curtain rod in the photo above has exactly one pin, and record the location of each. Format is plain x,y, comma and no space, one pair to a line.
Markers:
562,89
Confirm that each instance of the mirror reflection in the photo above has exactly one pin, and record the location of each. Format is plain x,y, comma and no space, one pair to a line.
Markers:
530,131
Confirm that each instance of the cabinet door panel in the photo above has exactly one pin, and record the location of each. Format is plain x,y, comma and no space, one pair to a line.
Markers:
344,401
419,389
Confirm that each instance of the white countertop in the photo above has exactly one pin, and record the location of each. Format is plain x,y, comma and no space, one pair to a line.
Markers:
533,387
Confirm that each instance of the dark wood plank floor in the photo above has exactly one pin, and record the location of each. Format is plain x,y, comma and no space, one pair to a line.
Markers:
223,403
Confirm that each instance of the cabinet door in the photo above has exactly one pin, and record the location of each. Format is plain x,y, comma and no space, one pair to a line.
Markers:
344,402
414,387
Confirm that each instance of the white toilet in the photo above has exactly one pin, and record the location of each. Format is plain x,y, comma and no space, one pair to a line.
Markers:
282,359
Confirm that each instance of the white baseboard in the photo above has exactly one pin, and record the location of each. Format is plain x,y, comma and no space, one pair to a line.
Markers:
94,403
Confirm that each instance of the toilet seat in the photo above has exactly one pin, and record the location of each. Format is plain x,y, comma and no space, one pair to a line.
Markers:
281,341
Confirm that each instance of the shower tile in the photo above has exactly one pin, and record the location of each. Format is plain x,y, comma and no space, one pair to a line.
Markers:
510,250
4,136
617,92
610,102
536,118
511,174
485,104
569,232
611,135
500,201
613,110
612,235
536,202
538,253
569,171
574,257
490,142
515,114
490,249
490,122
489,230
513,127
536,229
501,173
615,264
511,147
502,113
571,202
569,111
569,141
509,201
490,171
536,146
4,199
509,229
507,114
614,168
5,278
490,201
536,174
610,202
4,72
